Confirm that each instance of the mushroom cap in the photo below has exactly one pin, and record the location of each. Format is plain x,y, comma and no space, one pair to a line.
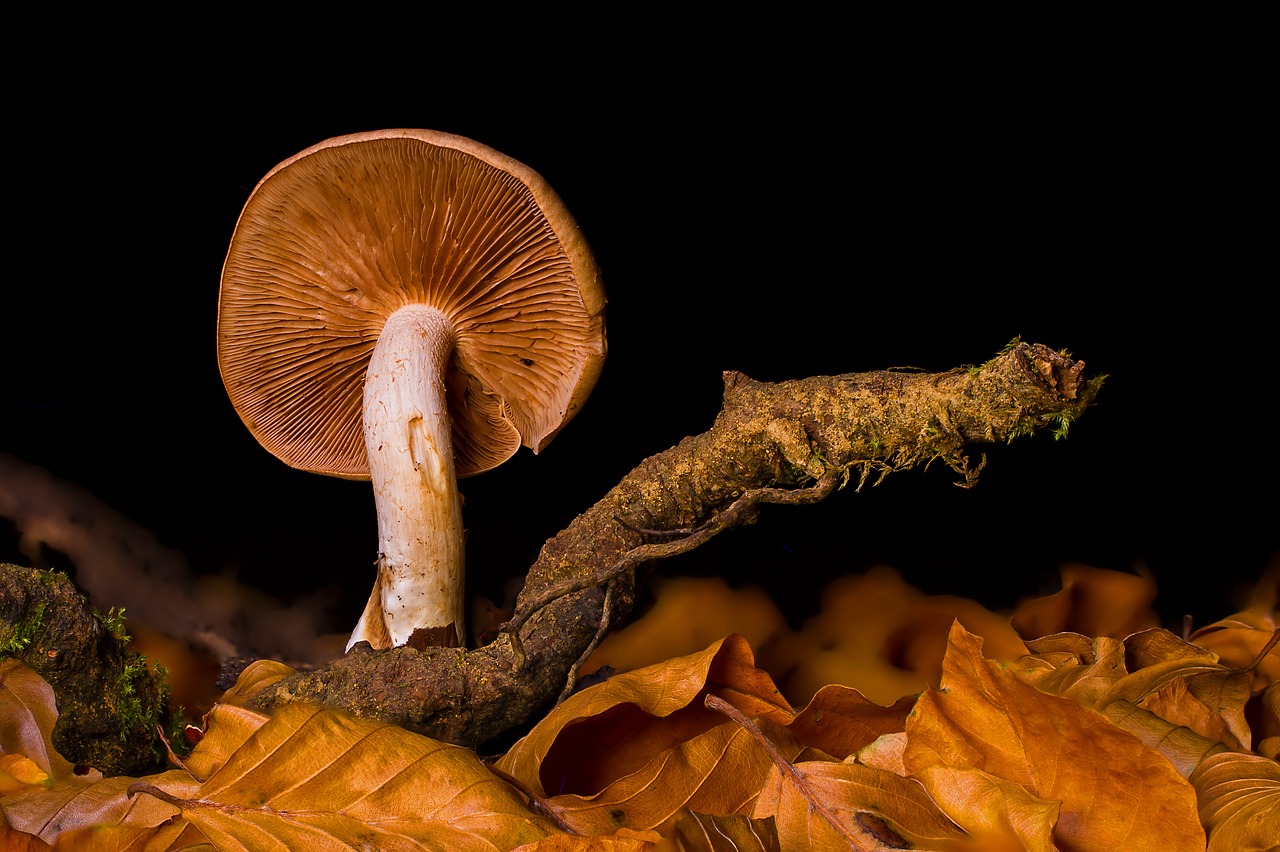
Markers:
338,237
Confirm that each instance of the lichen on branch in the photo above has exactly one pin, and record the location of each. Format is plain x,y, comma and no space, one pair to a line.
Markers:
793,441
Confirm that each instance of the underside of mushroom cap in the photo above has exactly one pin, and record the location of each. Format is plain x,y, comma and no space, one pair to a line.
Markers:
335,239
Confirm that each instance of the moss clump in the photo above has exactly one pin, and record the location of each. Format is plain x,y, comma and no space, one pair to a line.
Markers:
111,703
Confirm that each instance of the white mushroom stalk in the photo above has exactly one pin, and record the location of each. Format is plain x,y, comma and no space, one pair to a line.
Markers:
408,438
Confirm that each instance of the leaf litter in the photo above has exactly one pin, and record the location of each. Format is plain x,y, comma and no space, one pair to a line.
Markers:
923,722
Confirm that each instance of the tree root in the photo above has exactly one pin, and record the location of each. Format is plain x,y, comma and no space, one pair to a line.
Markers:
788,442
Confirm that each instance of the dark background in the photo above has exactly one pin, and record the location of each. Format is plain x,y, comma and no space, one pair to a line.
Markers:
816,214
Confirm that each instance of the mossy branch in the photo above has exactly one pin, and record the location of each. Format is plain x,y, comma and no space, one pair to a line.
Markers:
794,441
111,704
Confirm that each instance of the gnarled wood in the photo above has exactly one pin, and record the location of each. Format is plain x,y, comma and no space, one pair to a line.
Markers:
793,441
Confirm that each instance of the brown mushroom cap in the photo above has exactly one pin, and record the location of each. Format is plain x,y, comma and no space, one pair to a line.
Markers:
335,239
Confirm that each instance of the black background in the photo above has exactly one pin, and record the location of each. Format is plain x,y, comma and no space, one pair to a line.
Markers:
818,213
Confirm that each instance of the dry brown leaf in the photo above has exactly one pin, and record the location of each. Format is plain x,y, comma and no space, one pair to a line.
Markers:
27,716
1266,716
18,772
840,720
1176,704
623,841
73,803
1093,602
1183,747
997,814
886,638
12,840
312,777
1240,639
1149,669
885,753
846,805
695,832
1239,801
635,749
688,614
227,727
256,677
1074,666
1115,791
308,778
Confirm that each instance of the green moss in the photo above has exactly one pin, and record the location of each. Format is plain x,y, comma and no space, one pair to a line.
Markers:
113,621
15,638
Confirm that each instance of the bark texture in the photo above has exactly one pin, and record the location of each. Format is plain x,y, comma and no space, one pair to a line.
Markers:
787,442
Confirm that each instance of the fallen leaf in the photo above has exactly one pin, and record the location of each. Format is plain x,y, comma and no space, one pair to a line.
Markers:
688,614
256,677
72,803
1181,746
1093,602
307,779
28,713
227,728
12,840
1115,791
635,749
885,753
886,638
649,842
695,832
1176,704
840,720
18,772
1239,641
997,814
1073,666
837,805
1239,801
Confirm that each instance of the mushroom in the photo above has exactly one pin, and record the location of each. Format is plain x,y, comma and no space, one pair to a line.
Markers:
408,306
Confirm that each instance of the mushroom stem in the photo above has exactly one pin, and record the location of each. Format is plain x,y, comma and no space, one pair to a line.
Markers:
408,439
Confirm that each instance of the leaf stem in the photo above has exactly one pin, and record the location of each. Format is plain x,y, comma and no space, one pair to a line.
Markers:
719,705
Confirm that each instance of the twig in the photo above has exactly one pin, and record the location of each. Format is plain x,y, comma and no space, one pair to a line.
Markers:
719,705
572,680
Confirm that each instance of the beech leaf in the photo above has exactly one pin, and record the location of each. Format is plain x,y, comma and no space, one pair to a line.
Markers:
695,832
1239,801
27,716
635,749
840,720
1115,791
998,814
872,809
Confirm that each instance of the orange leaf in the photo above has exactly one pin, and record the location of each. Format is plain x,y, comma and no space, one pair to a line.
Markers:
1239,801
1240,639
879,634
693,832
1093,602
636,748
998,814
256,677
12,840
865,808
1176,704
27,716
840,720
688,614
1115,791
